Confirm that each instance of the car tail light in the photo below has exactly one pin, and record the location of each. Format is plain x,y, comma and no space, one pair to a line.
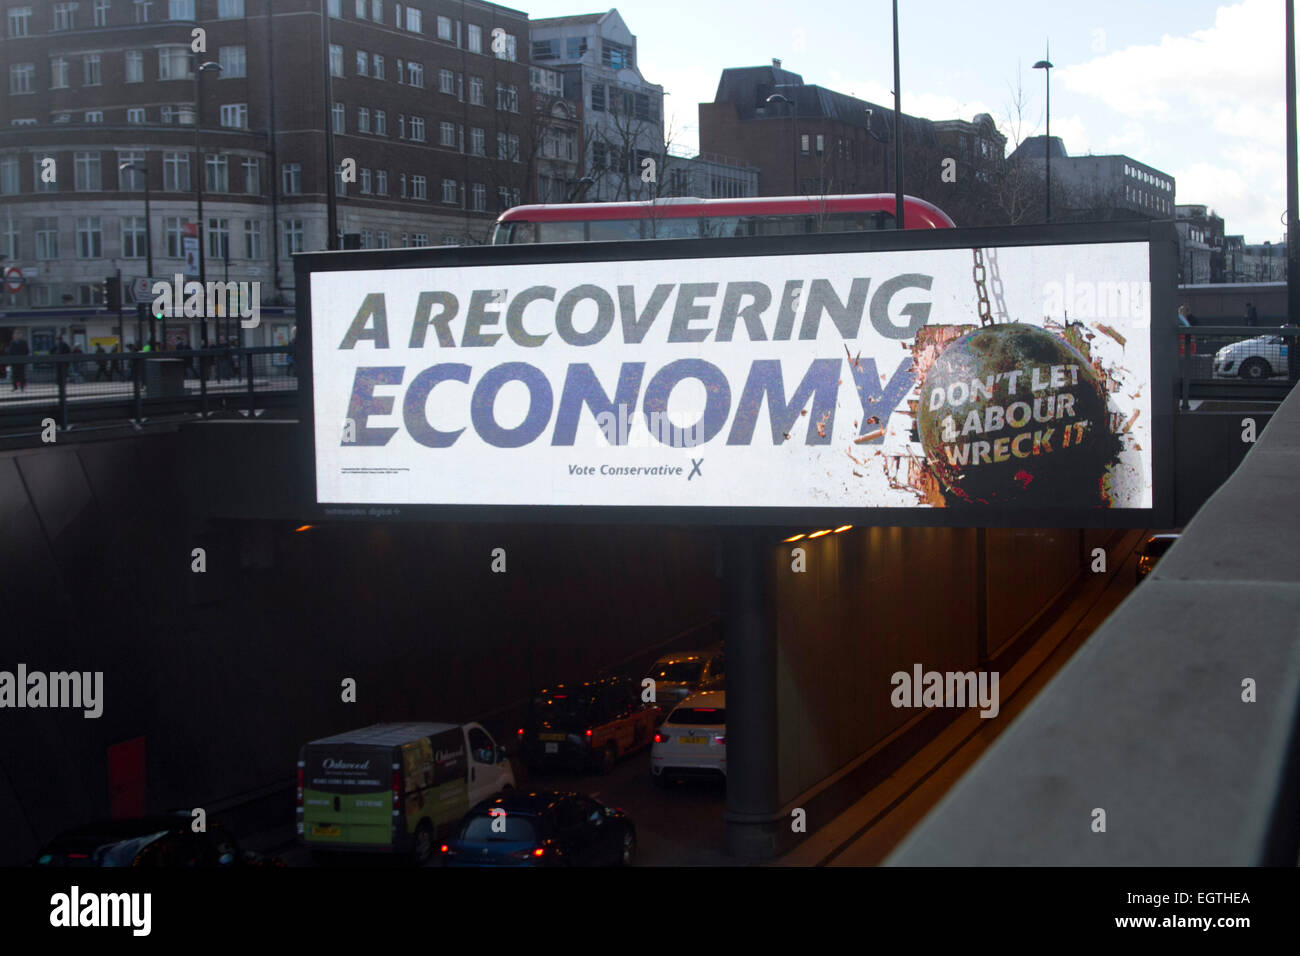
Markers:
721,738
443,848
532,854
397,789
519,732
589,732
662,738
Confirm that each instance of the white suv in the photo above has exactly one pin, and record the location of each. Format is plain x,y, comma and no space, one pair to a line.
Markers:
693,740
1257,358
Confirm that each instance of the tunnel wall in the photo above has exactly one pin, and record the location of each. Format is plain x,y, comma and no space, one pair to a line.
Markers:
225,673
874,601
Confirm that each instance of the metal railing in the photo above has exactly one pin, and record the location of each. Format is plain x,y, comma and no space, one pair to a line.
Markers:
79,388
1236,362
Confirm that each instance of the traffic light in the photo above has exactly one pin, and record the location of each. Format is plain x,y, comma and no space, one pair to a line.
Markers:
112,290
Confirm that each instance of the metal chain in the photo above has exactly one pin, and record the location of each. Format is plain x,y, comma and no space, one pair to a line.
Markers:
977,273
995,279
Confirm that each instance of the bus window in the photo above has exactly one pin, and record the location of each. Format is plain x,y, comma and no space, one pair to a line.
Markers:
606,230
510,232
561,232
858,220
782,225
672,229
727,227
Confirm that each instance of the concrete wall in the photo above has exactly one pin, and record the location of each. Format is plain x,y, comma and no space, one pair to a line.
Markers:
225,673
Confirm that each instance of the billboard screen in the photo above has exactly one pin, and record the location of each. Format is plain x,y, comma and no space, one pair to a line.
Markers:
976,382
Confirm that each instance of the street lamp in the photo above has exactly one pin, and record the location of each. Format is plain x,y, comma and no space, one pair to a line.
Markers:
200,172
794,138
148,220
1046,67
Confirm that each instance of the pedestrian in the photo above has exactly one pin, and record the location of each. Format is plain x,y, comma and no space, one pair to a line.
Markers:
1186,313
293,348
18,346
1252,317
102,365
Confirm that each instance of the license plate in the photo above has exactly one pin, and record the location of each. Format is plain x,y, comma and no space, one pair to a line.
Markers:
692,740
319,830
550,736
552,748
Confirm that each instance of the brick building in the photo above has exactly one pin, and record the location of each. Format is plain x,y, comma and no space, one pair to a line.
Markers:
433,116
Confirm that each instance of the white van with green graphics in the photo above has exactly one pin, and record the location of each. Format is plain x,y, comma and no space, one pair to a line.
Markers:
395,788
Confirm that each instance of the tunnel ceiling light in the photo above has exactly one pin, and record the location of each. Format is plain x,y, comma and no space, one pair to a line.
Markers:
843,527
792,538
818,534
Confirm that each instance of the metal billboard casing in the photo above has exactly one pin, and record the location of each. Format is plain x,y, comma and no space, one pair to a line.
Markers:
455,323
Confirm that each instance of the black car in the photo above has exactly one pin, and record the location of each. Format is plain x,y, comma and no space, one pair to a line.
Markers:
542,828
586,726
165,839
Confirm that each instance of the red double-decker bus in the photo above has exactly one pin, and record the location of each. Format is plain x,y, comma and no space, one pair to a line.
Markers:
690,218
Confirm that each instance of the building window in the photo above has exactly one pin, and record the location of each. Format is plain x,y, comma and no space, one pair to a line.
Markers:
363,119
616,56
252,239
336,60
10,246
575,48
367,239
174,63
401,179
446,81
134,66
446,134
133,237
381,182
381,123
335,8
293,236
90,70
291,179
219,238
9,177
94,116
417,129
59,73
414,19
415,74
474,38
821,144
339,111
508,146
476,91
420,239
598,97
234,115
234,61
363,63
22,77
90,237
47,238
449,191
599,157
88,172
546,49
477,146
803,143
173,231
217,179
168,114
419,187
508,97
143,10
444,29
65,16
478,198
509,51
229,9
381,239
377,10
377,67
62,118
180,9
252,175
644,108
365,182
176,172
20,22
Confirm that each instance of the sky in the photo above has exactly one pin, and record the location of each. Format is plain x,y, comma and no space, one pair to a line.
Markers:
1194,88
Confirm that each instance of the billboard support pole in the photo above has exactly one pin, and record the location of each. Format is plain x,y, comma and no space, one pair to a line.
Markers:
1292,199
748,613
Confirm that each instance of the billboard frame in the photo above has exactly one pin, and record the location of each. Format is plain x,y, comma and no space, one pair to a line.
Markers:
1161,235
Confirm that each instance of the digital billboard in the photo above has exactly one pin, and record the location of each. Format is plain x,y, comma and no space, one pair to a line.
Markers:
782,376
